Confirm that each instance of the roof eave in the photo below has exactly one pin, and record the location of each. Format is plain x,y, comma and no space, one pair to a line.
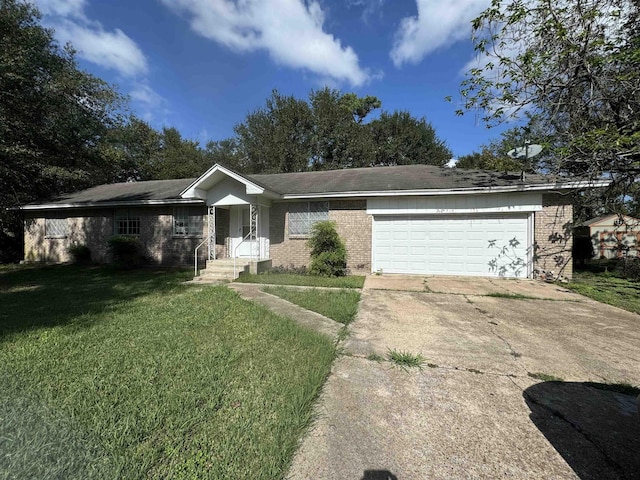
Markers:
452,191
127,203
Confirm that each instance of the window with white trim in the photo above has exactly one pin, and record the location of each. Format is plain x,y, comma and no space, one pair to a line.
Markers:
186,222
126,223
56,227
303,215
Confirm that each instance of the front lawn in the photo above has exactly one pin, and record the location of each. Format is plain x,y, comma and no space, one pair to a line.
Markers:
351,281
340,305
133,375
608,288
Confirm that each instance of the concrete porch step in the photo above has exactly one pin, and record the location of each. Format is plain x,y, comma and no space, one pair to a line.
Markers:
227,262
223,269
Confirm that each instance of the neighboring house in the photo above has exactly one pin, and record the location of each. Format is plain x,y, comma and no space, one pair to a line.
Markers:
416,219
612,236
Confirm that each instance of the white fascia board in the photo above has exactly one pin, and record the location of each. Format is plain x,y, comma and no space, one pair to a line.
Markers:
459,191
133,203
251,188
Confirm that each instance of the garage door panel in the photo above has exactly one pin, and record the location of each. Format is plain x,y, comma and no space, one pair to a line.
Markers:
455,245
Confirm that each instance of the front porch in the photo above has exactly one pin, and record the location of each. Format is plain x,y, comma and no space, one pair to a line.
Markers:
237,232
237,241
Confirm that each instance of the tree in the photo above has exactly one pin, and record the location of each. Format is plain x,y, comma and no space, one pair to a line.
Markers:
493,156
226,152
131,148
53,116
574,65
276,138
401,139
178,157
339,139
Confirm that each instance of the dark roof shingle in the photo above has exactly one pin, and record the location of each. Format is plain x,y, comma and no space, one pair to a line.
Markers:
404,177
372,179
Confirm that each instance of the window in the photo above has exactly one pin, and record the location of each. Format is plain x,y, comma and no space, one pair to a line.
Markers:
186,223
126,223
55,227
303,215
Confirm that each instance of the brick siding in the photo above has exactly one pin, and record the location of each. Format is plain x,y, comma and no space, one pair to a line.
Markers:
553,239
352,223
93,227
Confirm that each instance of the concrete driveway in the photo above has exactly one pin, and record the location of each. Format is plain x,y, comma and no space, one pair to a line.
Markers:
474,410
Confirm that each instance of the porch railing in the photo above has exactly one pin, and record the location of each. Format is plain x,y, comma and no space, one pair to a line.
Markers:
235,251
195,255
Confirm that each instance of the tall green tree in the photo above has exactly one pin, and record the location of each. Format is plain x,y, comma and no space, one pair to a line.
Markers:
131,149
276,137
53,116
493,155
574,65
401,139
340,140
178,157
228,153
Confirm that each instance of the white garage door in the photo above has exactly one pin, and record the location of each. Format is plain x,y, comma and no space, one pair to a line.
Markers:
452,245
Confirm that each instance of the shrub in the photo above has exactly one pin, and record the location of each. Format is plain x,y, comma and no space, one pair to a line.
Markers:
291,269
629,268
328,253
79,253
125,251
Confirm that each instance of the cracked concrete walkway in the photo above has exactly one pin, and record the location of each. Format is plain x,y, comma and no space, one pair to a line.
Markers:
476,413
312,320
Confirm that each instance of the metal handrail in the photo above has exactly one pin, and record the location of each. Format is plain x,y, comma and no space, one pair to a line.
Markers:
195,255
235,250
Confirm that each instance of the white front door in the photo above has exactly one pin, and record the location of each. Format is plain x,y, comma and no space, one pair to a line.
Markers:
242,245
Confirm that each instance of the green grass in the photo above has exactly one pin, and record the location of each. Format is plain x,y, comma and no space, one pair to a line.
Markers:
351,281
406,360
340,305
133,375
544,377
513,296
607,288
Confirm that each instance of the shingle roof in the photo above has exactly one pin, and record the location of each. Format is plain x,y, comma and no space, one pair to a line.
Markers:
373,179
127,192
404,177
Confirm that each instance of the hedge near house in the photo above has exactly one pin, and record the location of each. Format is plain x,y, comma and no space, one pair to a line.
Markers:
328,252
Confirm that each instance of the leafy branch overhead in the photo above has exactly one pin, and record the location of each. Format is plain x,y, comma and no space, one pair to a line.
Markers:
573,67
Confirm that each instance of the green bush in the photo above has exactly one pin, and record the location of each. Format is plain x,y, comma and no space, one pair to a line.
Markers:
125,251
629,268
328,253
79,253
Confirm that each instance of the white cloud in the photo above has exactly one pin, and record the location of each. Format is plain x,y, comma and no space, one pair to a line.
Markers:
439,23
62,8
109,49
290,30
152,107
113,50
369,7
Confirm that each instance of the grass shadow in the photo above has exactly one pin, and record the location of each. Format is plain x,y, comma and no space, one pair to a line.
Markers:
594,427
49,296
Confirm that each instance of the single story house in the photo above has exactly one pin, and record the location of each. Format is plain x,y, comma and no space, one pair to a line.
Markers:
612,236
416,219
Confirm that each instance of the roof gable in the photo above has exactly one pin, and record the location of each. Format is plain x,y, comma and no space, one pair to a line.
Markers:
213,176
610,220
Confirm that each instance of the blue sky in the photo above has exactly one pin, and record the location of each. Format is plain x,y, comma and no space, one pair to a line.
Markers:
202,65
